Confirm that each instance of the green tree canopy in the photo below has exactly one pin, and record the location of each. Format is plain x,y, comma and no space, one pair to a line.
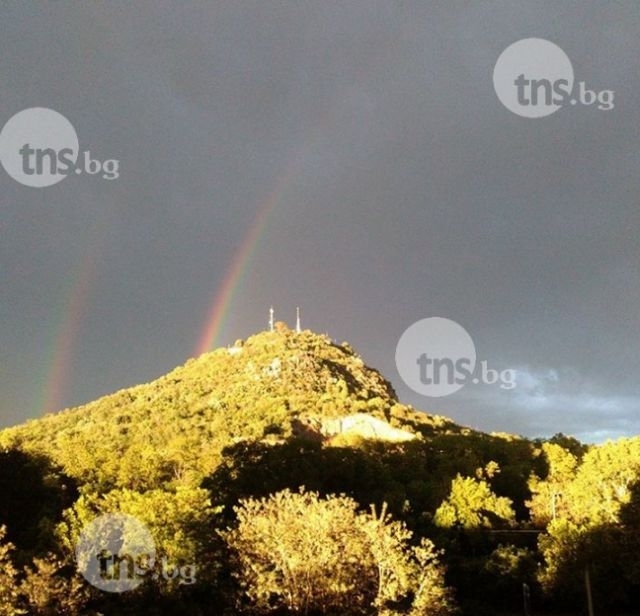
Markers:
471,504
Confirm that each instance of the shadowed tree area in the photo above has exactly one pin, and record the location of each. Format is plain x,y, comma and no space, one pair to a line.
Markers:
412,478
34,494
422,483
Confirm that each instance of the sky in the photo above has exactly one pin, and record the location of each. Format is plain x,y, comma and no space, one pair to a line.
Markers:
350,158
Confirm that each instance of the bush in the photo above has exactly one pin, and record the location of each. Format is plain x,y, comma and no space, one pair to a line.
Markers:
306,554
8,579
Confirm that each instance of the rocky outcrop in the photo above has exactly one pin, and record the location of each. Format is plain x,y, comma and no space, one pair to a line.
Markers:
358,424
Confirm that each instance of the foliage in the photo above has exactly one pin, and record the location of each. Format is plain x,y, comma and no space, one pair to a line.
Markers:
179,453
471,505
8,579
172,431
52,587
34,494
549,495
596,529
602,485
512,565
308,554
178,521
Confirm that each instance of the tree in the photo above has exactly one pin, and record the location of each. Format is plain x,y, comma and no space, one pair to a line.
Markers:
178,521
570,444
34,494
603,482
308,554
8,579
569,550
549,498
53,588
596,528
472,505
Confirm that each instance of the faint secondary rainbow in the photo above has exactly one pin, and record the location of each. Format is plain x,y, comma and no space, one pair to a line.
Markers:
57,379
224,297
58,372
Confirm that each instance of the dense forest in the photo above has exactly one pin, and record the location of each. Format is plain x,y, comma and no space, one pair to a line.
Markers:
281,475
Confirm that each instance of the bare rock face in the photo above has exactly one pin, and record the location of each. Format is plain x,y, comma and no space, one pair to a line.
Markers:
365,426
358,424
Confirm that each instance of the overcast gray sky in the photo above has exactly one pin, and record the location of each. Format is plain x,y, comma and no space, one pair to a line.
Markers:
399,188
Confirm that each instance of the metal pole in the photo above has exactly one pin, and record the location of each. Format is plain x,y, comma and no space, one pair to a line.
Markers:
526,596
587,583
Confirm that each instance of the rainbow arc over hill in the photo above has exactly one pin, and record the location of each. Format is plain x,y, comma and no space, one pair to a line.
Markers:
236,272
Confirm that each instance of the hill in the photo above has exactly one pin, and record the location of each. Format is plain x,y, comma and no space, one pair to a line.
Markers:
269,387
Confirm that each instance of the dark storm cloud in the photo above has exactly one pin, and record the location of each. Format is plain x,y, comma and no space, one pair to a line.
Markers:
415,193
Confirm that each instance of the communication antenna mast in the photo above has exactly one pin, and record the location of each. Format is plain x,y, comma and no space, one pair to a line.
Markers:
271,319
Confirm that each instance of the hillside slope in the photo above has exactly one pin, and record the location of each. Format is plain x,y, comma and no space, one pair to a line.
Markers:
269,387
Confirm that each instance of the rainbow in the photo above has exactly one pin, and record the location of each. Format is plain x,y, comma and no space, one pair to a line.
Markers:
61,355
56,381
64,340
223,299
